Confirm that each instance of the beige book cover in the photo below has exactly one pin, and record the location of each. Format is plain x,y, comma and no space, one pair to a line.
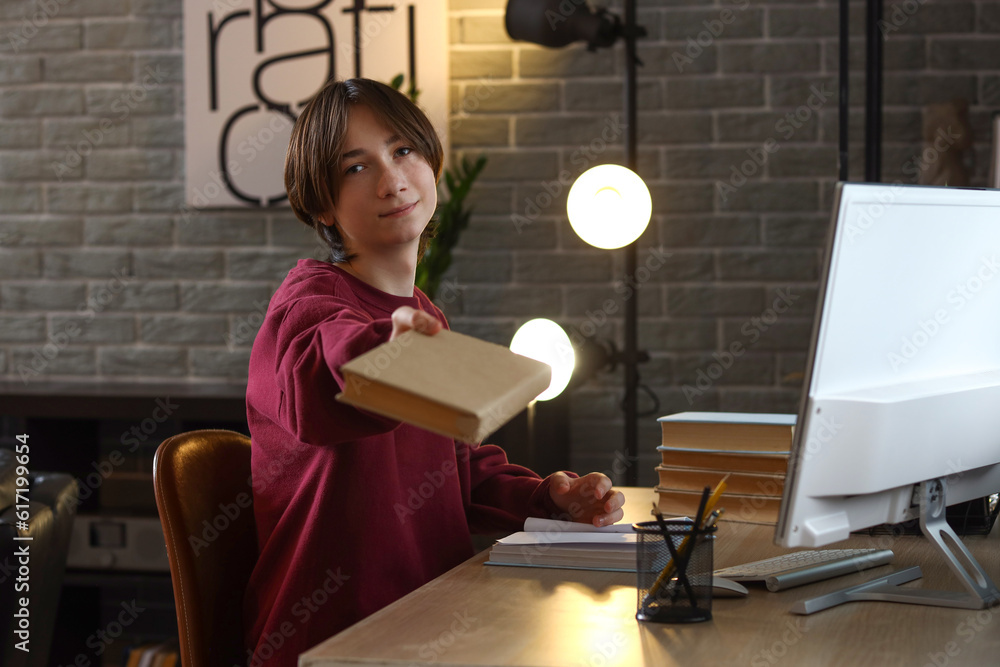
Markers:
740,508
725,461
728,431
741,483
448,383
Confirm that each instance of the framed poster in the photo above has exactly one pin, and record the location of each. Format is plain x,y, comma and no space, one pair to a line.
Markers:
251,65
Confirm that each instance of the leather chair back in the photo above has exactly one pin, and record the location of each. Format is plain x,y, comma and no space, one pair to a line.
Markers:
204,497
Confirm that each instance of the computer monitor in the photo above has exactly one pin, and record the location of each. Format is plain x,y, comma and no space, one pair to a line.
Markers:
900,413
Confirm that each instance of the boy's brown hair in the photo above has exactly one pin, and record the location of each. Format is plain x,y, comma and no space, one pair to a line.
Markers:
317,144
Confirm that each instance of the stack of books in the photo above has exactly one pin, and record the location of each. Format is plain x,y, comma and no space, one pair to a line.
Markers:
700,448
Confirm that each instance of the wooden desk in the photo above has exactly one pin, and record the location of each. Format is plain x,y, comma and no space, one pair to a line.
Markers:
479,615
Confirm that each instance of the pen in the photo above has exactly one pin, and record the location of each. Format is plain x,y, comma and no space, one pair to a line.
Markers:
668,540
719,489
702,506
713,517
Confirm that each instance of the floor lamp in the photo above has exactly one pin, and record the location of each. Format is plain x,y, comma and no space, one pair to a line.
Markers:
557,23
873,90
874,47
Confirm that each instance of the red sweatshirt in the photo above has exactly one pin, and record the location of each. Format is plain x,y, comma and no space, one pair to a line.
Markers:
353,510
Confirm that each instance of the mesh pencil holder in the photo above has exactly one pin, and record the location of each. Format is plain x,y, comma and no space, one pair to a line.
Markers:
674,572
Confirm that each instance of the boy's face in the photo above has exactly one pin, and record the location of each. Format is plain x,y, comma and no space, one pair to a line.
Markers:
386,191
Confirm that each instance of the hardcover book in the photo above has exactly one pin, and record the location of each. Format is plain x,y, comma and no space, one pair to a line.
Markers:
741,508
725,461
728,431
448,383
741,483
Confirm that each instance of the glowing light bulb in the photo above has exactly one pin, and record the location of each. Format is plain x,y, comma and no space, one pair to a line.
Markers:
609,206
546,341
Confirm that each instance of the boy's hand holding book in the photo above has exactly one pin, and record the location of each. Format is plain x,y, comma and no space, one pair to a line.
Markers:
406,319
587,499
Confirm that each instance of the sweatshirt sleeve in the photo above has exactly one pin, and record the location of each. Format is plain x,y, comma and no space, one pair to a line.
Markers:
310,339
500,495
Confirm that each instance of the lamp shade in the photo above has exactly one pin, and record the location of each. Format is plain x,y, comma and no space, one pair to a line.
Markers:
609,206
546,341
556,23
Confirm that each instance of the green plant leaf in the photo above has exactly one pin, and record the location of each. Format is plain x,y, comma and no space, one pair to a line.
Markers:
452,218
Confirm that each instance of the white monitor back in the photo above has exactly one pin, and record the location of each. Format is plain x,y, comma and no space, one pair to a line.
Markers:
903,379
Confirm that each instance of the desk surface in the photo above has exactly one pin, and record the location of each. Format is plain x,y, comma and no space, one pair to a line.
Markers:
479,615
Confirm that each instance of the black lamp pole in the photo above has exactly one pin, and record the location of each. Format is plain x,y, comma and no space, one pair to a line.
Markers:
845,88
631,351
873,94
529,20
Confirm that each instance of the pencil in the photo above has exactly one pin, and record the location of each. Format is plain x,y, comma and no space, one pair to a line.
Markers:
706,506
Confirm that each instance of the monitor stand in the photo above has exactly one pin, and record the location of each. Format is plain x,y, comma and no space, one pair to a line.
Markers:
982,592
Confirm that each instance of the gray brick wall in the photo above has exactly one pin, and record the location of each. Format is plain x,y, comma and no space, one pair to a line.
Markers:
705,100
104,273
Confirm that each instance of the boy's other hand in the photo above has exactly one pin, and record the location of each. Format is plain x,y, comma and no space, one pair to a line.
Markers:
406,318
587,499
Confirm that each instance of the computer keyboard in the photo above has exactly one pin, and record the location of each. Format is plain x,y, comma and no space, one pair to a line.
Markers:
805,567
